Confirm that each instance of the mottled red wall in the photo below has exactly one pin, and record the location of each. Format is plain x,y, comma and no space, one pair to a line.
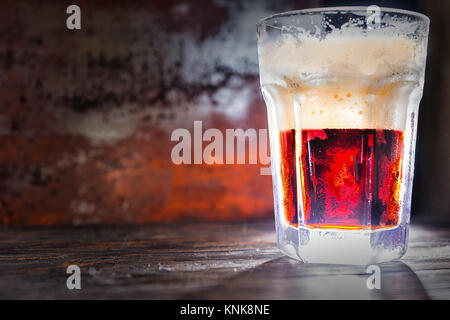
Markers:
86,116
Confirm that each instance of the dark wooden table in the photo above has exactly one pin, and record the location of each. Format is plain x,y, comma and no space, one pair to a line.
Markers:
204,261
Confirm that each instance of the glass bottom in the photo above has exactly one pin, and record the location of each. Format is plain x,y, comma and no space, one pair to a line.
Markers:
356,247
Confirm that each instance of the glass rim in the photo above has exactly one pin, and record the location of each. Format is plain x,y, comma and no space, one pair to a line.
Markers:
415,14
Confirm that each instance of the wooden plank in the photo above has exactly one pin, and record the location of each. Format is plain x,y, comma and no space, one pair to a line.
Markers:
285,278
204,261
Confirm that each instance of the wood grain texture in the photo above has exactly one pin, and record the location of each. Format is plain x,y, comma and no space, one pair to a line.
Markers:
204,261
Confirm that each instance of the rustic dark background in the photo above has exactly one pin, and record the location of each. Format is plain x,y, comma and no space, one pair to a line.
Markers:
86,116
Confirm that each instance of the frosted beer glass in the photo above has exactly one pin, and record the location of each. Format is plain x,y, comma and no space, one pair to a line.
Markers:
342,88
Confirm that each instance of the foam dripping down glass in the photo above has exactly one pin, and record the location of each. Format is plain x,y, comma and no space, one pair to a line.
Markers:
342,88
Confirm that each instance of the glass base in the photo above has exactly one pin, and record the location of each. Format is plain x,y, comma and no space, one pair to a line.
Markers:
357,247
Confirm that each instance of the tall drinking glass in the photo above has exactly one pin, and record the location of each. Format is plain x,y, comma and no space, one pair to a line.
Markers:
342,88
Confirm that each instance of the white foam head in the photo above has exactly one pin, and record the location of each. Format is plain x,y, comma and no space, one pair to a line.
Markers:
369,58
345,80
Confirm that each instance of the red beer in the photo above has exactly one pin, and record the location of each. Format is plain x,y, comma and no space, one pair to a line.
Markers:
349,178
288,175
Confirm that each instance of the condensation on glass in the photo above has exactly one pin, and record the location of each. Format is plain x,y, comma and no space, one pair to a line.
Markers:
342,88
